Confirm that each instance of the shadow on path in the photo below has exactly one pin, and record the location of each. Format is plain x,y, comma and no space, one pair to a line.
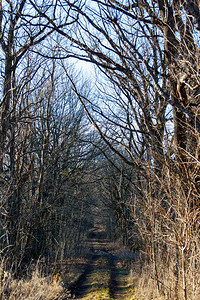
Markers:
102,278
80,286
113,285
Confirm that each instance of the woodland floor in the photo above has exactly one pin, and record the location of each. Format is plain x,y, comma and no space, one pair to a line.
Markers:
106,275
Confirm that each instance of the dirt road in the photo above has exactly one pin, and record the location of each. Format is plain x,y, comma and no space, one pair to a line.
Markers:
105,276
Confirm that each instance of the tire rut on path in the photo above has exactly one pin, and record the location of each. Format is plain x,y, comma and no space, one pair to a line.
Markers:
113,284
101,278
99,262
87,282
79,288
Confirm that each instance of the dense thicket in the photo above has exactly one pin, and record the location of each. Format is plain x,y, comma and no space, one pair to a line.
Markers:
145,110
147,55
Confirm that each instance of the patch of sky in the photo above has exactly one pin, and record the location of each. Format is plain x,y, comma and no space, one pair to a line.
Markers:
117,118
169,128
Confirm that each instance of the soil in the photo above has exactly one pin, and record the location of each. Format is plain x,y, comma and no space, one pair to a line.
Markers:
105,276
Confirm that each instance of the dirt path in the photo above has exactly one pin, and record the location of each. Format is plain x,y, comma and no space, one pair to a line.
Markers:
104,276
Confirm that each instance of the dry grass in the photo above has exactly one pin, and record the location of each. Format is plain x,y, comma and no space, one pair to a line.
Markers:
145,287
37,287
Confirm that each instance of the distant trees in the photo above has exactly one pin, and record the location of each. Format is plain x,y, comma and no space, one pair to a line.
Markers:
147,112
44,159
43,156
42,200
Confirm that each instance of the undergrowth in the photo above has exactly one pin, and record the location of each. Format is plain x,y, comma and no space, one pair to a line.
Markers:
34,286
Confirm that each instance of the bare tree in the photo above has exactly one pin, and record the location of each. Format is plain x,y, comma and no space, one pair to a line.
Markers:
147,111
